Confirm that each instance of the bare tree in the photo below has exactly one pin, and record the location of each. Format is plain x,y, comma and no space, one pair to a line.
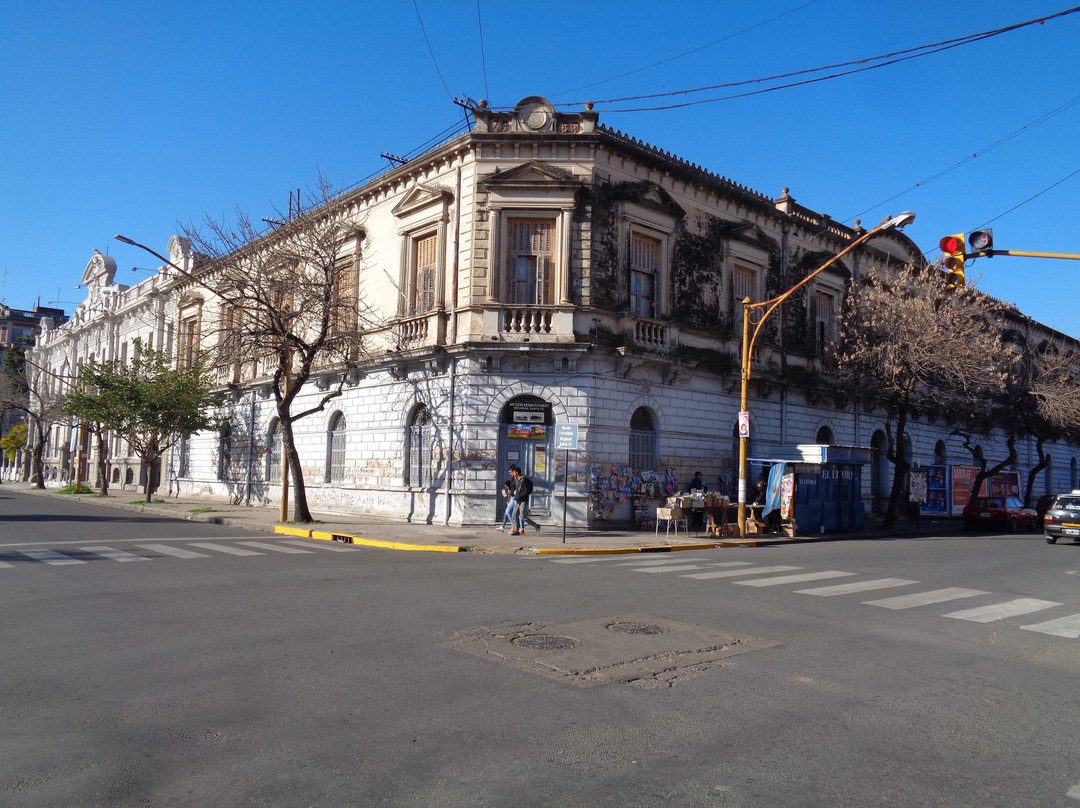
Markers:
909,343
289,305
42,405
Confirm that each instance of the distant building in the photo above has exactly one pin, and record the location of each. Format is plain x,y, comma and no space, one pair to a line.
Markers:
540,270
22,325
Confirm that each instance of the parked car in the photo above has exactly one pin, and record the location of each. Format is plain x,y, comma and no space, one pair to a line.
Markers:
1008,512
1043,505
1062,518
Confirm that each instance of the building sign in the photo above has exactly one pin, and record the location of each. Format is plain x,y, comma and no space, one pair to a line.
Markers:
566,436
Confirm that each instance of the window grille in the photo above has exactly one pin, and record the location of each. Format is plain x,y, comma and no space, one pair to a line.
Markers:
642,441
336,471
273,466
224,453
420,436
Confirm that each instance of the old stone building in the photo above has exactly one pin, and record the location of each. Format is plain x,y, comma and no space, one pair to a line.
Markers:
539,270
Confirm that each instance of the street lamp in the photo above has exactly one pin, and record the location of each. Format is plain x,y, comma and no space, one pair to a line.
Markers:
767,307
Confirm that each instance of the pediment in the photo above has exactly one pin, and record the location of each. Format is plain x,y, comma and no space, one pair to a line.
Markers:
419,197
100,270
659,199
532,174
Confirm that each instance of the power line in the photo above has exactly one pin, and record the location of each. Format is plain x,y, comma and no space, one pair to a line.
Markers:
999,142
483,57
858,66
430,50
687,53
1029,199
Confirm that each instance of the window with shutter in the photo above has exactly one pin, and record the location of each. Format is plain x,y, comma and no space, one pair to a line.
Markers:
644,262
531,261
426,263
824,320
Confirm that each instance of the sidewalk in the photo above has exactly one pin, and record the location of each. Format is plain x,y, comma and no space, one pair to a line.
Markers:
375,531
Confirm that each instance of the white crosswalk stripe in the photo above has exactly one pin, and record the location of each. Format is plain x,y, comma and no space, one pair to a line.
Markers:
926,598
334,546
277,548
113,554
856,587
748,573
224,548
999,611
4,564
51,557
677,568
795,579
169,550
1062,627
660,562
707,576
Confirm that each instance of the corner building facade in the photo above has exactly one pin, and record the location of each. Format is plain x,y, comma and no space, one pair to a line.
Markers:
539,270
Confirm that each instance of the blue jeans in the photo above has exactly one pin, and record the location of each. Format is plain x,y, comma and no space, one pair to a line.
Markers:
520,516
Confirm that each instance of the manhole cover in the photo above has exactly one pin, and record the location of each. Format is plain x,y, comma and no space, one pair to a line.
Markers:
636,628
545,642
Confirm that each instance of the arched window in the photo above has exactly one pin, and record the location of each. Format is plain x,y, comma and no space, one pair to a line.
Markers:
420,435
185,456
824,436
224,452
941,454
335,449
273,460
642,440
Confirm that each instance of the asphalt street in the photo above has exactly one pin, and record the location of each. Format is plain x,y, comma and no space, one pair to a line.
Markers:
156,662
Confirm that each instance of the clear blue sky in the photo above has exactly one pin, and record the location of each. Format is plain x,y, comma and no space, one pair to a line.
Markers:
127,117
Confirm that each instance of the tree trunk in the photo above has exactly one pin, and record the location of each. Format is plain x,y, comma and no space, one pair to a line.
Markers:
38,462
900,468
301,513
103,464
985,473
1040,442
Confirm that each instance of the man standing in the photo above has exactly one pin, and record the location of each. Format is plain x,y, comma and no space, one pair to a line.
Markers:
524,487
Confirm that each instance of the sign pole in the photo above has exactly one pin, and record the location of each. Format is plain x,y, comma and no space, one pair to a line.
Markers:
565,484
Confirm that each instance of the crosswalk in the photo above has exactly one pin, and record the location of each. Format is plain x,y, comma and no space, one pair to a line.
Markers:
747,573
150,551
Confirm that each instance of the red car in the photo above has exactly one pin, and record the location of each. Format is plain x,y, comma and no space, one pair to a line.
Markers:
1006,512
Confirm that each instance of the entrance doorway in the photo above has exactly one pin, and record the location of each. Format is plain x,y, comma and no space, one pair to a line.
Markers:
526,427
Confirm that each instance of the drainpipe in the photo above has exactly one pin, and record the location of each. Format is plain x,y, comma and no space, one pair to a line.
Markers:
452,339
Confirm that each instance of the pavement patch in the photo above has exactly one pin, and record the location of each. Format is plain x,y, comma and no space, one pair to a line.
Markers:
629,649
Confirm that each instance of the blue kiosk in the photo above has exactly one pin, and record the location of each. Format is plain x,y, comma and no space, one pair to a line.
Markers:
826,493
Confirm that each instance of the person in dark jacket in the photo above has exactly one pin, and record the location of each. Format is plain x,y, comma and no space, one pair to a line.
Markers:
523,490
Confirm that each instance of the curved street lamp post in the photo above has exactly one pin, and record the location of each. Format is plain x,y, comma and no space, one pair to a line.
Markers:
767,307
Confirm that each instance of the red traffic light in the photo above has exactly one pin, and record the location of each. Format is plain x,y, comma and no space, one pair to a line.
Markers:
952,244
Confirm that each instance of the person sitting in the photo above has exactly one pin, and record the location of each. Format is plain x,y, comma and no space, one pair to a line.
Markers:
697,485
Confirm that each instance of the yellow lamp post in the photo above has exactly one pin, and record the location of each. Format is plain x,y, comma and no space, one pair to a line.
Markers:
765,308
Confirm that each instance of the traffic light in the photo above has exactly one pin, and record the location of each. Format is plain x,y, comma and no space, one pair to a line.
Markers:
952,247
981,240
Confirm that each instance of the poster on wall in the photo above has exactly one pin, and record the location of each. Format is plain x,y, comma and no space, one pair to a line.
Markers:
937,491
963,477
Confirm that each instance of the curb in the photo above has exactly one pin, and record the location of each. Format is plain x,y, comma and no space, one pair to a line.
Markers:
346,538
